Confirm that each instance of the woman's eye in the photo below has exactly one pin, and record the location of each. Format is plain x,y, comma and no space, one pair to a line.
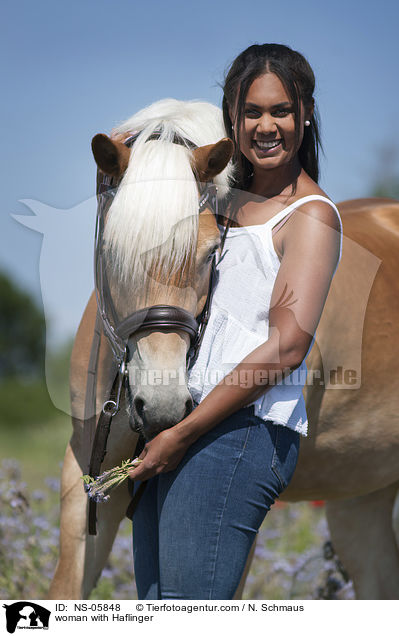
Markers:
251,113
282,112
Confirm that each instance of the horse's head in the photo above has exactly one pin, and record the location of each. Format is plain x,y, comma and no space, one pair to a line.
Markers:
158,250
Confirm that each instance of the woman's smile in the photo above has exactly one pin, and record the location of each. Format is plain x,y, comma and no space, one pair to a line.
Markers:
267,148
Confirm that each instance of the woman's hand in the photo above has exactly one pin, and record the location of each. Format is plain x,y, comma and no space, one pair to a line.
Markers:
161,454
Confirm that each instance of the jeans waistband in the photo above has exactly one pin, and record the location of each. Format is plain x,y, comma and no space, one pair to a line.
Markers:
250,408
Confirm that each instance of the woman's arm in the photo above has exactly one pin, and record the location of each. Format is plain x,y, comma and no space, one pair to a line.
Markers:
310,256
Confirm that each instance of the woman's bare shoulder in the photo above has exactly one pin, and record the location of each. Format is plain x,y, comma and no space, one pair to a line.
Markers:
321,211
317,209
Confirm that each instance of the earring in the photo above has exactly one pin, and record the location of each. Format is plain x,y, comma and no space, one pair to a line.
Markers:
307,122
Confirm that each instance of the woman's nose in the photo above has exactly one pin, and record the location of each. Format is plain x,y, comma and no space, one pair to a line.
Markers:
266,125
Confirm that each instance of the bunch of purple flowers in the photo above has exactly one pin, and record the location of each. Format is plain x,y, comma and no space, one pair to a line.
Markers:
98,488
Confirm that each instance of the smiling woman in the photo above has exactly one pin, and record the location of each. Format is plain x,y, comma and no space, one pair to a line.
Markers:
213,476
272,85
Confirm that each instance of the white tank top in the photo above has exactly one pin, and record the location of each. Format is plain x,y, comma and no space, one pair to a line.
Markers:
239,320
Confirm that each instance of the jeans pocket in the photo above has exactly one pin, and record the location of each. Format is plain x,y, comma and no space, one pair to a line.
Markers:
285,454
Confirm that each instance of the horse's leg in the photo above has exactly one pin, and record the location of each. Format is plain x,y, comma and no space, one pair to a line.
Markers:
68,577
82,556
363,536
98,547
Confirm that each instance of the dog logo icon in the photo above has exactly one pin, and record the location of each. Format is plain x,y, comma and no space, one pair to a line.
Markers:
26,615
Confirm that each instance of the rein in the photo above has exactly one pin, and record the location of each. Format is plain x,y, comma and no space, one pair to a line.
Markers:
156,317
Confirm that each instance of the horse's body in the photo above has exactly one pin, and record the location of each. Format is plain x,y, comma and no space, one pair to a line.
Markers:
350,456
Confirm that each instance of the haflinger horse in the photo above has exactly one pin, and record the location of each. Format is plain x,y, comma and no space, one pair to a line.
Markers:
156,243
349,457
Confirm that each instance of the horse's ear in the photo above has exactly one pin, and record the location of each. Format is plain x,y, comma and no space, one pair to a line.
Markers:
208,161
111,156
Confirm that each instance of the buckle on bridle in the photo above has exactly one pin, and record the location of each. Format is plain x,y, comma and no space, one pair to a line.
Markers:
112,406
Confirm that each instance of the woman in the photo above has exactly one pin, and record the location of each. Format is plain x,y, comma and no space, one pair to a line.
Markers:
214,476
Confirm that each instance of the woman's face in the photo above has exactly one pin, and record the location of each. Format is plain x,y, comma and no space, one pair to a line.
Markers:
268,127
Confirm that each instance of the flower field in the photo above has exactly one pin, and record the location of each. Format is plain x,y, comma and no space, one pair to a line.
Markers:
293,558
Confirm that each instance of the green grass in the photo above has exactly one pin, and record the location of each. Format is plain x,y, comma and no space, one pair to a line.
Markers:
39,448
24,402
288,562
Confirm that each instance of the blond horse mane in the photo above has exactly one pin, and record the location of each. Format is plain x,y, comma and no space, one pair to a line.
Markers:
156,205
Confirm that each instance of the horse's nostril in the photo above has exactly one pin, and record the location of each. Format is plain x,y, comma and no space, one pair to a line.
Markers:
139,406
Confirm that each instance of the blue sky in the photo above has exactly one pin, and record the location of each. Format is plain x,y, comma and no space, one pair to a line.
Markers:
72,69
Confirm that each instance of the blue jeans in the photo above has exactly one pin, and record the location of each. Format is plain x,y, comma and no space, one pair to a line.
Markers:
194,526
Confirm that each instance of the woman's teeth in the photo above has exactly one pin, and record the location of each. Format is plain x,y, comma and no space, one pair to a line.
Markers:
267,145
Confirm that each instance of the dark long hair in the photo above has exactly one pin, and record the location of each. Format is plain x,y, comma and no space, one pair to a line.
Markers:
298,79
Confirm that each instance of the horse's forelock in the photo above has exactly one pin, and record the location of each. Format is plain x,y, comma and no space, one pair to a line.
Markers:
155,210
